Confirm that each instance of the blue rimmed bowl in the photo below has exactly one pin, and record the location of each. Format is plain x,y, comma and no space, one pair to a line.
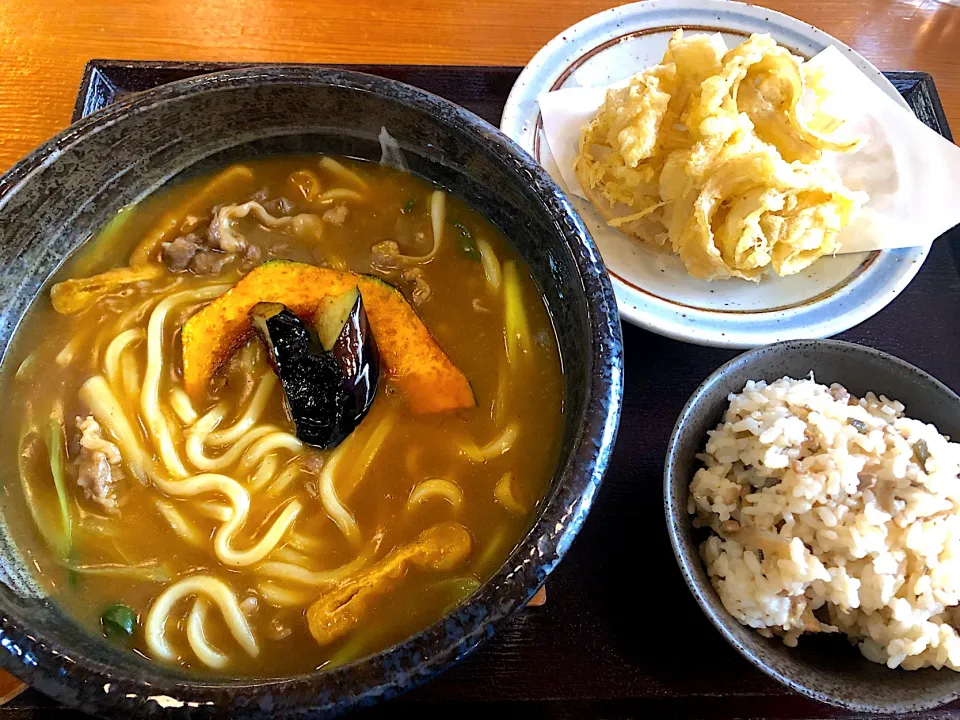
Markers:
54,199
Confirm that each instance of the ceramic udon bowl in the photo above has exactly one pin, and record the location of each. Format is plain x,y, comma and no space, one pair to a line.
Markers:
55,198
825,668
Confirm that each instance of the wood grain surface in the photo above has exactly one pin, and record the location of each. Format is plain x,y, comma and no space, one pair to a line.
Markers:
44,44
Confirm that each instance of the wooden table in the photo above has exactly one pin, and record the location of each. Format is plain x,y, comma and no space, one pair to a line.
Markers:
590,652
44,44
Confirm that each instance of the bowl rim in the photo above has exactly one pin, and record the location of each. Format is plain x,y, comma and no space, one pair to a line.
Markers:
35,658
677,519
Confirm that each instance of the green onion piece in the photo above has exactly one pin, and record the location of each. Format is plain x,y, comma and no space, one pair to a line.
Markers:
55,443
118,621
104,241
408,206
150,571
110,232
921,452
25,366
516,326
29,453
466,244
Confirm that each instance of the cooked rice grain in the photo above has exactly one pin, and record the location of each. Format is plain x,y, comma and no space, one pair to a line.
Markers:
834,514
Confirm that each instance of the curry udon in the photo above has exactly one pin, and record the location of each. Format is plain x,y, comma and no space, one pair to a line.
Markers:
280,417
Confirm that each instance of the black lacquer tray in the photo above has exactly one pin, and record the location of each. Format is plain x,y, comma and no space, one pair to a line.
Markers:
620,635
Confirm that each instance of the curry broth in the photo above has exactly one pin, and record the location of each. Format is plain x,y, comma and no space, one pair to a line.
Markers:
465,316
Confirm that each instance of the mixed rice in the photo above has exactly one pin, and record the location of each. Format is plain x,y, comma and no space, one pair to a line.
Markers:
834,514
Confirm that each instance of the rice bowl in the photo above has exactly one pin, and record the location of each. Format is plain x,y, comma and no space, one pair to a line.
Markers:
834,514
825,667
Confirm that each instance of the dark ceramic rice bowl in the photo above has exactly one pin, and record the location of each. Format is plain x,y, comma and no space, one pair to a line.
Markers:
828,669
55,198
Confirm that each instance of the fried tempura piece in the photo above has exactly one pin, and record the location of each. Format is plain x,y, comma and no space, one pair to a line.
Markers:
711,154
441,548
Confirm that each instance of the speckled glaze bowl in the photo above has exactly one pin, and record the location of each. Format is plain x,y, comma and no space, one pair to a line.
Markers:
825,668
55,198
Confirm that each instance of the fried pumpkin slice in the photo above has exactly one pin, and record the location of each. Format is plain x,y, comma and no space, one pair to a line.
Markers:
441,548
409,353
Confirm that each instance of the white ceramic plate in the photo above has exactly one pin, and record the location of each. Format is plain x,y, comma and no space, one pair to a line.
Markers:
653,289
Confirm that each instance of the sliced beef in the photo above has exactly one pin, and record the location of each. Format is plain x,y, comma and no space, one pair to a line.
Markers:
205,251
313,463
99,465
337,216
177,254
218,239
416,285
252,256
209,262
386,255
